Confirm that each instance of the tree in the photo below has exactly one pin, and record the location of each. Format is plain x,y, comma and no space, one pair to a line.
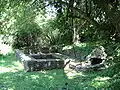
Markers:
14,13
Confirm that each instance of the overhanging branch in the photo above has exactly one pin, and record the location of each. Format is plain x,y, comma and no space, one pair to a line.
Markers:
83,15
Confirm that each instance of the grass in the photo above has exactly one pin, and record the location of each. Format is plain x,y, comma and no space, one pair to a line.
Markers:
13,77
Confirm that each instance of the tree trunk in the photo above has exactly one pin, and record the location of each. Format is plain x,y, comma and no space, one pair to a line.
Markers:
76,38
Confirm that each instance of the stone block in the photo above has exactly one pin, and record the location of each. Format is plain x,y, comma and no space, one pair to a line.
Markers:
38,62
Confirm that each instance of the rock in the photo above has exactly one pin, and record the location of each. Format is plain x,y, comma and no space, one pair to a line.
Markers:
42,65
39,62
98,52
44,49
97,56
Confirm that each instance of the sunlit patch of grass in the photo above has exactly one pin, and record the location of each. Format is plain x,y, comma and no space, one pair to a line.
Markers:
100,82
8,63
13,77
4,69
74,74
67,47
33,80
102,78
81,44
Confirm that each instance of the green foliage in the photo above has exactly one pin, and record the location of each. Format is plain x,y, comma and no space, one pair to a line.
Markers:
94,21
55,32
16,13
28,38
78,51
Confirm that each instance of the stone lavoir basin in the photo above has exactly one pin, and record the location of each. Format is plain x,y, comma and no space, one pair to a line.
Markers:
37,62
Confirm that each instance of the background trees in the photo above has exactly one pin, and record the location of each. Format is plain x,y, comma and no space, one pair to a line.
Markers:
82,24
81,18
74,21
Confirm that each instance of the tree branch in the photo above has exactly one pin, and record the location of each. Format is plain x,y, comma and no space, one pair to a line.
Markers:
83,15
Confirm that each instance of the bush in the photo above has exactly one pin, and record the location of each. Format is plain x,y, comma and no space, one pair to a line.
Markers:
27,38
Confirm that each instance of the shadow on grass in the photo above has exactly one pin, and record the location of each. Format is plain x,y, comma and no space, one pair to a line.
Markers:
50,80
92,80
55,79
33,80
43,80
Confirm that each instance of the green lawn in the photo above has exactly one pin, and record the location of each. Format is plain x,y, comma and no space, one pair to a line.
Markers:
13,77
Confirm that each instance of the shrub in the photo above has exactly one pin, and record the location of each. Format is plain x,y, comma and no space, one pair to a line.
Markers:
27,38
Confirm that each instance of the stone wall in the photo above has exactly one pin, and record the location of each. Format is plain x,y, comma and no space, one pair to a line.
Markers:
32,64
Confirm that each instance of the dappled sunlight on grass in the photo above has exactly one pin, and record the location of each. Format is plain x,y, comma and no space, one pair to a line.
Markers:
81,44
8,63
34,76
100,82
6,69
74,74
102,78
67,47
33,80
13,77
